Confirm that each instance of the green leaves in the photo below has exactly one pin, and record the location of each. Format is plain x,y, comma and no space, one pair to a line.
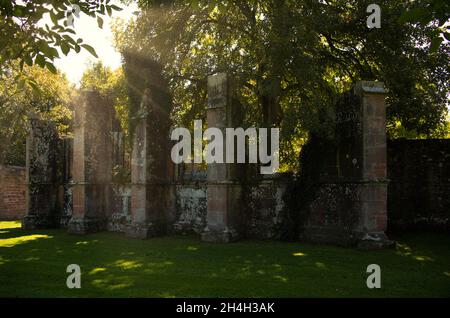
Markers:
435,43
39,44
40,60
65,48
295,56
437,11
53,17
421,15
116,8
90,49
31,89
51,67
100,22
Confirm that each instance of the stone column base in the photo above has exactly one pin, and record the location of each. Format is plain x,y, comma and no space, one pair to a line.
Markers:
64,221
184,228
33,222
219,236
144,230
374,241
86,225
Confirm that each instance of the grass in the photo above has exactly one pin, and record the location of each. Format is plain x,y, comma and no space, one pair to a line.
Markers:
33,264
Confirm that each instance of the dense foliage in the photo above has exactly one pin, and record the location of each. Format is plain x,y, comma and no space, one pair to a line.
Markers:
291,59
34,34
26,36
49,98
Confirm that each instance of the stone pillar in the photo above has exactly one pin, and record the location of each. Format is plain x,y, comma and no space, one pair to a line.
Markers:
67,182
151,187
42,174
222,192
372,219
92,171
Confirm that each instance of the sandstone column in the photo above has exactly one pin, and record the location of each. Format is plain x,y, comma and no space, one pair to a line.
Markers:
372,222
92,171
151,187
42,173
66,187
222,192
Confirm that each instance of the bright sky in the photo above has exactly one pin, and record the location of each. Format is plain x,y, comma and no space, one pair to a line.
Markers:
74,64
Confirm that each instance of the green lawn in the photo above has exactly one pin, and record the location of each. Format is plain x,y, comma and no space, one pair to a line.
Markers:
33,264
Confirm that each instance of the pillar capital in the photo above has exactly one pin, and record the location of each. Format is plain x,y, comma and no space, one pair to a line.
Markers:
369,87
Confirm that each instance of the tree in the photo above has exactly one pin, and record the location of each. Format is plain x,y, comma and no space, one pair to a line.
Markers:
26,39
17,100
112,86
293,58
436,12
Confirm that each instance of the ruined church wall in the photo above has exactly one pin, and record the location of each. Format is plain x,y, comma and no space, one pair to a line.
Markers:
261,218
261,206
419,184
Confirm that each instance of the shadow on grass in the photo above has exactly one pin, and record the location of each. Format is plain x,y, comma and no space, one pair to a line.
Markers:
33,263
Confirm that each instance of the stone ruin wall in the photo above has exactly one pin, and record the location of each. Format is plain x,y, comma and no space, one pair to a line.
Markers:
419,184
70,182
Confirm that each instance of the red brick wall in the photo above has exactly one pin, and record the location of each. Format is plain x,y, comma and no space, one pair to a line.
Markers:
12,192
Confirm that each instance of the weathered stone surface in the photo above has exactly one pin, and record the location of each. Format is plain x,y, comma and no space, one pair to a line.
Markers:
120,216
333,214
86,225
373,192
145,230
374,240
43,175
67,182
191,207
419,184
223,212
153,206
222,235
92,170
349,207
264,204
223,193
